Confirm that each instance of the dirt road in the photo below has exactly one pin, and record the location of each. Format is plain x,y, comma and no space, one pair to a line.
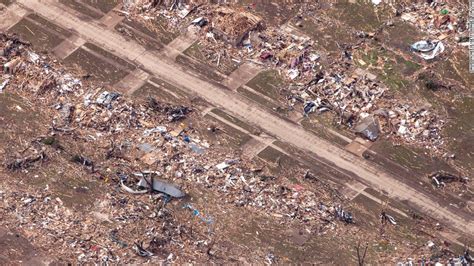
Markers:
237,105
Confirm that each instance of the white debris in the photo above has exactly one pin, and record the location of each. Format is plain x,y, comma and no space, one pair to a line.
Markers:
222,166
376,2
293,73
3,85
33,57
158,129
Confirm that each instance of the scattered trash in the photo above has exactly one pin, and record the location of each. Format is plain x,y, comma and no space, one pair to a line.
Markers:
148,180
174,113
266,55
316,85
309,107
346,94
3,85
387,218
82,160
271,258
158,129
184,12
142,252
68,83
224,165
200,21
466,258
376,2
343,215
26,162
425,47
66,113
33,57
130,190
440,179
293,73
233,26
196,148
114,238
146,147
106,98
430,244
12,66
206,219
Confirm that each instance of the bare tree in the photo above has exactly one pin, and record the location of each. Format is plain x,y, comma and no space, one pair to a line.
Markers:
361,255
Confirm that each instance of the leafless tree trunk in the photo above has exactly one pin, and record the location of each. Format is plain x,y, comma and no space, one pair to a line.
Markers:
361,257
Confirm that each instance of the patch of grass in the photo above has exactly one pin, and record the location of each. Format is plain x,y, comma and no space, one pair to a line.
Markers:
257,98
49,25
384,246
228,135
390,68
267,83
199,67
42,39
278,161
393,79
104,5
460,131
401,36
371,58
19,121
410,67
51,141
314,125
158,31
159,92
109,55
235,120
327,37
417,160
360,15
273,13
456,68
100,69
81,8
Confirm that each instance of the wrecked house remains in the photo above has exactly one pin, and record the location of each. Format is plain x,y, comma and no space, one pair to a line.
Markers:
223,132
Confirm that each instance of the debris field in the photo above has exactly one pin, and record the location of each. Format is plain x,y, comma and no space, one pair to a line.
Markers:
91,174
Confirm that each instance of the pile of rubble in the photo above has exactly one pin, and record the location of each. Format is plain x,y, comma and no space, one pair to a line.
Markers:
149,158
358,99
231,34
232,26
440,179
72,236
363,104
135,138
443,21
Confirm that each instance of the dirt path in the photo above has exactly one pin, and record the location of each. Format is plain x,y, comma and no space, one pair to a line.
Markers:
240,107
